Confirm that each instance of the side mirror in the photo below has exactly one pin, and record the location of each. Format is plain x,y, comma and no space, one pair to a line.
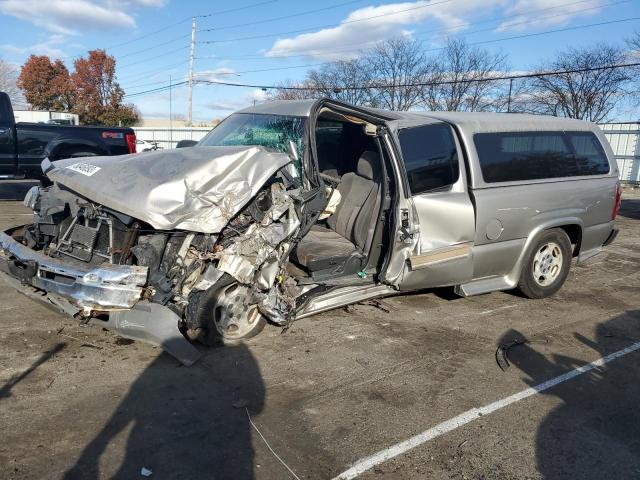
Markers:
186,143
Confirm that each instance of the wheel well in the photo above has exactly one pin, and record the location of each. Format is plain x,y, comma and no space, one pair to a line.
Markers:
574,232
69,151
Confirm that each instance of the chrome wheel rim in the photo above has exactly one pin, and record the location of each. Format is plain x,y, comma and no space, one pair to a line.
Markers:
233,317
547,264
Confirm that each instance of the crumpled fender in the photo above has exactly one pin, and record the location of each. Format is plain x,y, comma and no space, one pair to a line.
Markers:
155,324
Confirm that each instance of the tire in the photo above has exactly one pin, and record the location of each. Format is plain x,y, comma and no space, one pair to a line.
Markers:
547,265
82,154
223,317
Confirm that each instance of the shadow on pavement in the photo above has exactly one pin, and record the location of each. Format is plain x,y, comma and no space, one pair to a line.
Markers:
185,422
595,433
5,390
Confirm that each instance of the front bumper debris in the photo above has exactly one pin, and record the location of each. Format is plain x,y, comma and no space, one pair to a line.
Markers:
105,287
114,291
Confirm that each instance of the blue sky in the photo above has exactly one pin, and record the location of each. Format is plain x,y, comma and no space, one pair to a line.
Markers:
267,41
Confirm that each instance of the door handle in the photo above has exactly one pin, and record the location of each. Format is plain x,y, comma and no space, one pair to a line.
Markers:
4,131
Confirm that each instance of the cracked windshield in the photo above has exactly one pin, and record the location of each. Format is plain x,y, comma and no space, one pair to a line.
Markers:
270,131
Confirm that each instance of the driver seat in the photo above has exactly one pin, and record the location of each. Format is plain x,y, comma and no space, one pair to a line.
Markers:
344,246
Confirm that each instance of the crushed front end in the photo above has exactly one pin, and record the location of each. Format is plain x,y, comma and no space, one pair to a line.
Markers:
127,273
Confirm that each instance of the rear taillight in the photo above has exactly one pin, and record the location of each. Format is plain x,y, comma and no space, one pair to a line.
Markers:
131,142
616,204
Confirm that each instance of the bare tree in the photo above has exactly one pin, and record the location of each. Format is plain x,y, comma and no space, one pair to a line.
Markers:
633,56
289,90
589,90
397,66
8,79
342,80
458,76
634,43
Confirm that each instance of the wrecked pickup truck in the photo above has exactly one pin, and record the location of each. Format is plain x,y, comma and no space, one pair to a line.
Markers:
287,209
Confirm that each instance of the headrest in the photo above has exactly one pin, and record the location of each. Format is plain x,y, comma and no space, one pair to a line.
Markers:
366,162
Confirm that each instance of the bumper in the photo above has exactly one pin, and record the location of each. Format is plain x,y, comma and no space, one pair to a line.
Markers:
105,287
114,289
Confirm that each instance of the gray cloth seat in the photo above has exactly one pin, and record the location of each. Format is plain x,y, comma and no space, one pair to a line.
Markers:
348,238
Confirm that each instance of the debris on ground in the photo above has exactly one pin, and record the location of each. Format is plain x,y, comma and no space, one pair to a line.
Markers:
145,472
501,353
379,304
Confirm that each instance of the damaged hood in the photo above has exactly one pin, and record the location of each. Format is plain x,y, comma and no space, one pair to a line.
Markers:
198,189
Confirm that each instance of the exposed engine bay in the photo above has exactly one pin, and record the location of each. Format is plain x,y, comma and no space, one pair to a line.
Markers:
181,265
109,268
208,243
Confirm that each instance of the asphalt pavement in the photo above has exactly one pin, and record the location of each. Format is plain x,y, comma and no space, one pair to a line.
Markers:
79,402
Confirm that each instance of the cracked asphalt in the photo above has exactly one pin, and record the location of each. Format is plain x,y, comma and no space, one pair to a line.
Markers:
78,402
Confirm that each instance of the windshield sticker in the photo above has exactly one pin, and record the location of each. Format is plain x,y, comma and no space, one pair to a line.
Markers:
84,168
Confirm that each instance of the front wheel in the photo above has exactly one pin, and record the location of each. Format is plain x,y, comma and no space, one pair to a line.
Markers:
547,265
226,314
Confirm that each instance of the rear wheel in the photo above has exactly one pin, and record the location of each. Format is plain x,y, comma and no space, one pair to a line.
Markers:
80,154
547,265
226,315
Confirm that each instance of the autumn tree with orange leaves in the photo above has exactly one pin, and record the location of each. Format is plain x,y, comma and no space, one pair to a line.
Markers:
46,84
98,95
91,91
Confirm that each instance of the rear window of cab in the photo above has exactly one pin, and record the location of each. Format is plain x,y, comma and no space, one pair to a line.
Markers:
518,156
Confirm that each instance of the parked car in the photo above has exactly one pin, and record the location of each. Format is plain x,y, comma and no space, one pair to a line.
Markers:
144,146
23,146
287,209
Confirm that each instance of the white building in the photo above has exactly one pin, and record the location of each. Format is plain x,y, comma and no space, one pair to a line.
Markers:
38,116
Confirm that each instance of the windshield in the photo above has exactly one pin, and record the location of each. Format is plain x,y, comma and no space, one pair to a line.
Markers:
270,131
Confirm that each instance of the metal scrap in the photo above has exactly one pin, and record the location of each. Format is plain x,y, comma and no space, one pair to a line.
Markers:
502,352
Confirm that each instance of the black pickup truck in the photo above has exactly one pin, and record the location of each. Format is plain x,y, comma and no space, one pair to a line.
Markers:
23,146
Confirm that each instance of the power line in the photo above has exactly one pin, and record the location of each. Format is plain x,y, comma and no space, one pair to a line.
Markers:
440,30
309,65
186,19
326,26
284,17
159,89
429,84
273,69
416,33
474,43
147,73
155,32
157,45
402,85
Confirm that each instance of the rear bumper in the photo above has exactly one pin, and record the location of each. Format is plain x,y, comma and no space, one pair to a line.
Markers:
87,287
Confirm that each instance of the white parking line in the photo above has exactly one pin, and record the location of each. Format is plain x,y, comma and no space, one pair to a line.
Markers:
447,426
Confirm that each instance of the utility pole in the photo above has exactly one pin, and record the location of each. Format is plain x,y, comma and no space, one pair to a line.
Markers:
509,100
191,57
170,115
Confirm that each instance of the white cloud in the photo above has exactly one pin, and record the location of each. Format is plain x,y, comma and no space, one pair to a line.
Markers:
120,4
47,47
551,13
70,16
255,96
365,26
216,75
